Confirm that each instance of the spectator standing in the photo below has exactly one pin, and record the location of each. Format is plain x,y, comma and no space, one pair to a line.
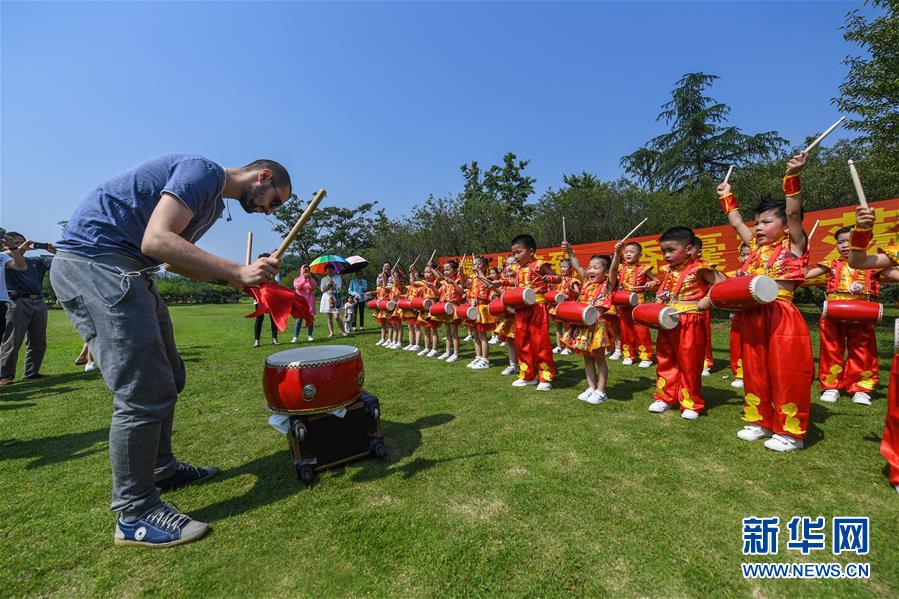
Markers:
9,259
26,313
358,288
305,285
330,287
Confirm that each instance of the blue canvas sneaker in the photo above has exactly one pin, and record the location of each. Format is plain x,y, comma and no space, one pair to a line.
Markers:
160,527
186,475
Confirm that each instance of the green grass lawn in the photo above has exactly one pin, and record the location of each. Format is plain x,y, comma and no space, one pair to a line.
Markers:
486,490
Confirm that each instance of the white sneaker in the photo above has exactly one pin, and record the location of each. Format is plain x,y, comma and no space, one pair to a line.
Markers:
481,364
645,364
689,414
472,363
275,341
557,349
737,383
706,372
524,383
544,386
422,352
293,340
615,355
861,398
90,367
784,443
467,339
380,341
510,369
566,351
596,398
503,344
753,432
415,348
627,362
431,353
452,358
255,342
309,338
493,340
659,406
830,396
585,394
443,356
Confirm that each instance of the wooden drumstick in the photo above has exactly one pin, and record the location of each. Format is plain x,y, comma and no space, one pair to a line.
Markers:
395,264
414,261
729,171
812,233
249,247
564,231
300,223
682,311
634,230
858,185
431,259
825,134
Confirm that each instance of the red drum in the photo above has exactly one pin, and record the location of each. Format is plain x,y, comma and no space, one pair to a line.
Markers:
496,307
852,311
742,293
520,297
577,313
404,304
387,305
896,336
471,312
656,316
442,309
556,297
311,380
421,303
624,298
373,304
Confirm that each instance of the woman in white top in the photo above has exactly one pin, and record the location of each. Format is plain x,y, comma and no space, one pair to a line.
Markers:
330,303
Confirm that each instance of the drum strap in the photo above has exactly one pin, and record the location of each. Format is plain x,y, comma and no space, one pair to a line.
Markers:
680,280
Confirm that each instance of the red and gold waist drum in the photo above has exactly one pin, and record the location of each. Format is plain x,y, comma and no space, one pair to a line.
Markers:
556,297
743,293
404,304
442,309
578,313
624,298
656,316
471,312
852,311
519,297
373,304
497,307
387,305
311,380
421,303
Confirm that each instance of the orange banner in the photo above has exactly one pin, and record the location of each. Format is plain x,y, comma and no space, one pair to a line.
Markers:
720,245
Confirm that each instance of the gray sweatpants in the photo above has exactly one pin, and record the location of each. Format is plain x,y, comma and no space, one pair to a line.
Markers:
117,311
26,319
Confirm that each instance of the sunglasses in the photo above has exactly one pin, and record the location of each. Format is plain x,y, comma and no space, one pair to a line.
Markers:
278,202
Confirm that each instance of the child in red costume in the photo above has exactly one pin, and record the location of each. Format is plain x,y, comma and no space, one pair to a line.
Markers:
887,258
426,323
566,282
479,297
778,366
450,291
680,351
535,354
382,293
736,362
636,341
857,372
592,341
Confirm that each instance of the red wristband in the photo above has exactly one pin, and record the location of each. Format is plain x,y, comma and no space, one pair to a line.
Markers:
728,203
860,239
791,185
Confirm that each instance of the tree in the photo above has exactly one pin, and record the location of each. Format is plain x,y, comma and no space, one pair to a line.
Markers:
329,230
871,87
505,184
699,146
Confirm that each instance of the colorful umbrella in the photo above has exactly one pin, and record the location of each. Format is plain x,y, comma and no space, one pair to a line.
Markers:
317,267
356,263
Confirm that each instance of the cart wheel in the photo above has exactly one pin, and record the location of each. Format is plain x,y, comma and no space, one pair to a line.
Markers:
299,430
377,448
306,475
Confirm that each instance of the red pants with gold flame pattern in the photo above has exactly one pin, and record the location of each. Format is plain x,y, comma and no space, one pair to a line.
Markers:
856,371
680,353
535,352
636,341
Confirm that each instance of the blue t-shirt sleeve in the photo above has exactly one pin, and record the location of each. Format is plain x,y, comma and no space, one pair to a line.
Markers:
4,258
196,183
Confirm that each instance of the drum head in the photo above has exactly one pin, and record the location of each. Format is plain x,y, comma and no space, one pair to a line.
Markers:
591,315
305,357
667,319
763,289
529,296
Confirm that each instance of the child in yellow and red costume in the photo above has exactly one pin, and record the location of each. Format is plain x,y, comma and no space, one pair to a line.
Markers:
736,362
505,327
857,372
565,282
451,288
535,354
479,297
381,316
592,341
413,290
778,367
427,324
395,319
636,340
887,261
680,351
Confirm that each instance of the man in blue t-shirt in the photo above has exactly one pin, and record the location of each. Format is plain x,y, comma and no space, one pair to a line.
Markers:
10,259
103,276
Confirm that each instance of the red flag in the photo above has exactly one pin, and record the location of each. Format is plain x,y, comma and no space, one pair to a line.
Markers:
281,302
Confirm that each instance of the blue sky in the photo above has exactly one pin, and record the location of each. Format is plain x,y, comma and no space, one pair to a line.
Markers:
382,101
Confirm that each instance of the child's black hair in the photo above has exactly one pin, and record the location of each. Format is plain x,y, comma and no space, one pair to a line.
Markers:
697,243
525,240
604,258
682,235
634,243
564,261
454,263
744,245
776,205
842,231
